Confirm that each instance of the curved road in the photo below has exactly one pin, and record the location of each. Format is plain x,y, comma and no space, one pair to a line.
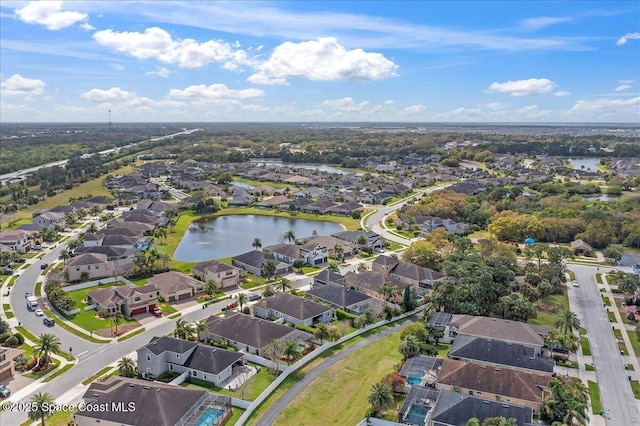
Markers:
271,415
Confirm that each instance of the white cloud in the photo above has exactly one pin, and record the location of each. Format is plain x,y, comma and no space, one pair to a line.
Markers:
628,36
496,106
561,93
87,26
532,112
532,86
17,85
267,81
49,14
389,102
113,95
156,43
413,110
118,67
160,72
345,105
256,108
623,87
631,81
322,59
629,106
215,92
543,21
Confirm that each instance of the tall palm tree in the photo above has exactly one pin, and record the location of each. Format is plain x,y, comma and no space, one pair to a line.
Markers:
409,346
210,287
552,338
268,291
160,233
47,344
40,406
117,318
273,351
576,414
126,367
380,398
64,255
93,228
627,283
242,299
182,329
568,322
289,236
322,332
361,241
338,252
283,284
291,350
256,244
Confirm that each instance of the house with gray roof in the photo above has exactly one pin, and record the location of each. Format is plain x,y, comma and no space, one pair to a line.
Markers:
373,240
407,273
455,409
129,299
208,363
175,286
293,309
312,252
344,298
326,276
94,265
250,334
253,262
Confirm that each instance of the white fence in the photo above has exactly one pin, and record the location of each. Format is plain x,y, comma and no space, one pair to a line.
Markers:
94,283
265,362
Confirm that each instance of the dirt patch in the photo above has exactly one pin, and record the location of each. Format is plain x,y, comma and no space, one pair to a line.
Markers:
122,329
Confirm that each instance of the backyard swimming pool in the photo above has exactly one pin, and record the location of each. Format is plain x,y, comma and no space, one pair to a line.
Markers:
417,414
210,417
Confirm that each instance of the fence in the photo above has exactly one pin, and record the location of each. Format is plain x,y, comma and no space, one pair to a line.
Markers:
95,283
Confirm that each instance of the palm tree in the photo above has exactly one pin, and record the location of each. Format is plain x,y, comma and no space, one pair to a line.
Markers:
269,268
314,233
627,283
268,291
409,346
361,241
93,228
47,344
333,267
242,299
289,236
380,398
427,312
338,252
283,284
160,233
291,350
384,290
117,318
182,329
576,413
41,405
210,287
64,255
256,244
127,367
199,327
322,332
551,339
568,322
273,351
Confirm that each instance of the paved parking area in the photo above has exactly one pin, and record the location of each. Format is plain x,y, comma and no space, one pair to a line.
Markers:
17,382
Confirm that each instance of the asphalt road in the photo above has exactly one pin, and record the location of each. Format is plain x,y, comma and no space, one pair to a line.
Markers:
615,392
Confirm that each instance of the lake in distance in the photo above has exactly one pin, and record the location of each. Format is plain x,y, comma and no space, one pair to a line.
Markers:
227,236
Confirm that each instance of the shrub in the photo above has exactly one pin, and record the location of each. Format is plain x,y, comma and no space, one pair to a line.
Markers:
305,328
5,336
246,310
20,338
631,317
343,315
11,341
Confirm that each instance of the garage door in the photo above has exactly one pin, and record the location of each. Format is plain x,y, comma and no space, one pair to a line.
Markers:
139,311
5,374
184,296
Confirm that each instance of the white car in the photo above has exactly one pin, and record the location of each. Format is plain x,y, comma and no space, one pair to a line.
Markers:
39,312
575,283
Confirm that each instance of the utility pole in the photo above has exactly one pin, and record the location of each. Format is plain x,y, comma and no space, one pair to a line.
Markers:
109,124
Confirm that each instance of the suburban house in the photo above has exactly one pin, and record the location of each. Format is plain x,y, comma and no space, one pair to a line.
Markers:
373,241
293,309
128,299
250,334
344,298
95,265
173,286
16,240
496,353
7,365
346,209
407,273
499,329
580,247
214,270
430,223
420,399
161,403
326,276
420,370
369,283
492,382
50,219
253,261
454,409
204,362
348,249
311,253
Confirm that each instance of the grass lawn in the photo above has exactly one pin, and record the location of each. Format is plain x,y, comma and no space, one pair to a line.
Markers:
589,367
606,301
635,387
635,343
612,316
88,319
167,309
628,367
97,375
60,418
599,278
586,348
140,281
594,393
252,389
236,413
35,376
550,310
320,404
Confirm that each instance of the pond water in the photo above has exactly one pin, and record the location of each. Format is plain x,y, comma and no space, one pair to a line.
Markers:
319,167
588,163
232,235
468,165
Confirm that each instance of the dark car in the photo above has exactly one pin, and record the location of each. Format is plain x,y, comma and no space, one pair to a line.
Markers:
49,322
7,271
254,296
4,391
27,294
44,266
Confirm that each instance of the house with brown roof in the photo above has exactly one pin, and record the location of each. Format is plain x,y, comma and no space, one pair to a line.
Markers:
250,334
144,403
7,363
225,275
175,286
293,309
17,240
493,382
580,247
95,265
407,273
130,300
312,253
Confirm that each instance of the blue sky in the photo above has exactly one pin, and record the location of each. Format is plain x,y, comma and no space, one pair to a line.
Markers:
457,61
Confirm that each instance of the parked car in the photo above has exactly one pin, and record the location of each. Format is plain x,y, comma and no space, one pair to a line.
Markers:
254,296
156,311
44,266
36,247
49,322
39,312
4,391
575,283
232,305
378,250
21,260
7,271
27,294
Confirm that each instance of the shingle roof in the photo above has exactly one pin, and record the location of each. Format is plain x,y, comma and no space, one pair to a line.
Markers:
211,359
172,281
456,409
496,352
338,295
294,306
157,345
161,404
213,266
87,259
498,329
